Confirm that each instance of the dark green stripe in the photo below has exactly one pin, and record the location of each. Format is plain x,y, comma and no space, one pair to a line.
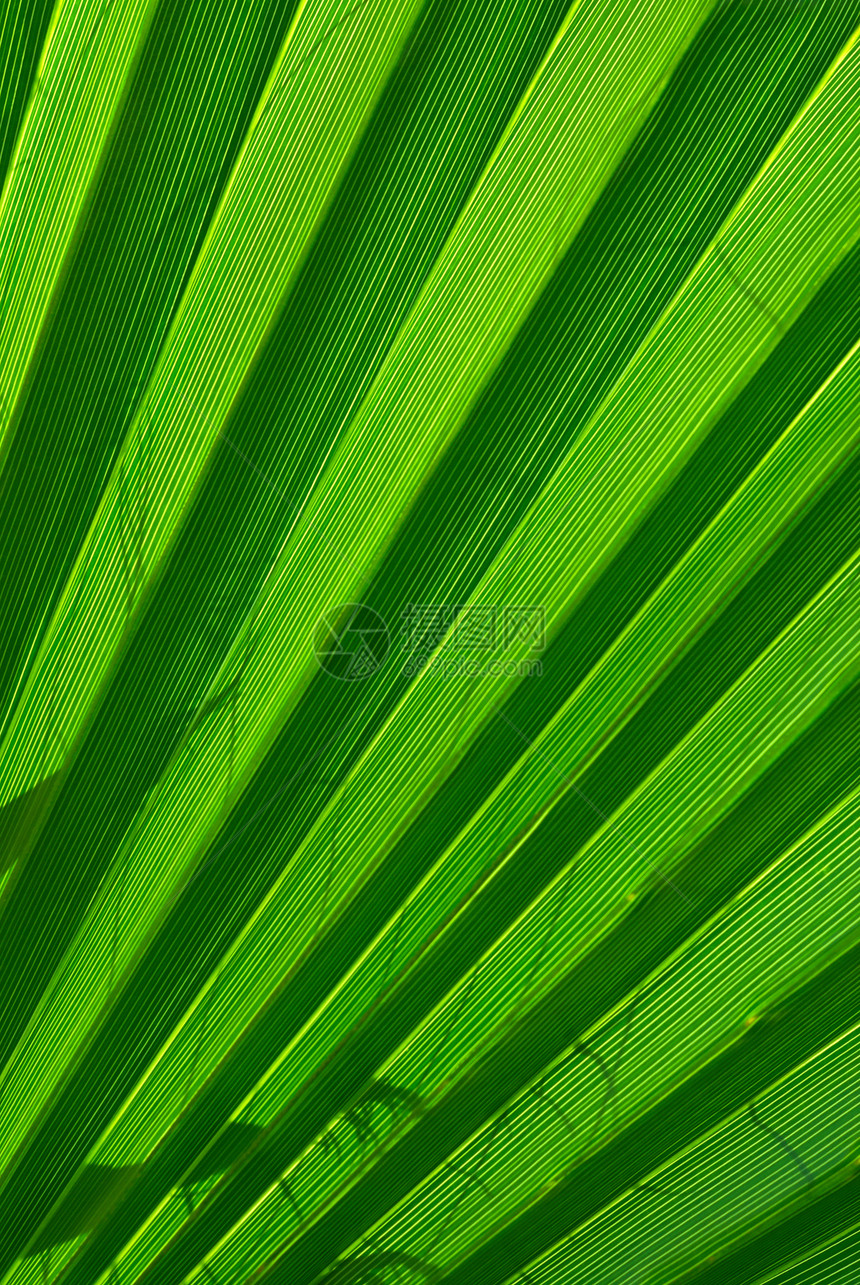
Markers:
19,820
836,1263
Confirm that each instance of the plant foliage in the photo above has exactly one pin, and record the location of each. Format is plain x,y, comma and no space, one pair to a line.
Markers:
429,677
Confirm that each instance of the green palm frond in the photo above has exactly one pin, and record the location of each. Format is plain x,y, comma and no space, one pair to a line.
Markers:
429,677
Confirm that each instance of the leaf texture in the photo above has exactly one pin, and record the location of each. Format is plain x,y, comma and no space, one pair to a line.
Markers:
429,679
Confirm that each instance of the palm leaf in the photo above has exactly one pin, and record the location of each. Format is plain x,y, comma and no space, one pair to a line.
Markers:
429,693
